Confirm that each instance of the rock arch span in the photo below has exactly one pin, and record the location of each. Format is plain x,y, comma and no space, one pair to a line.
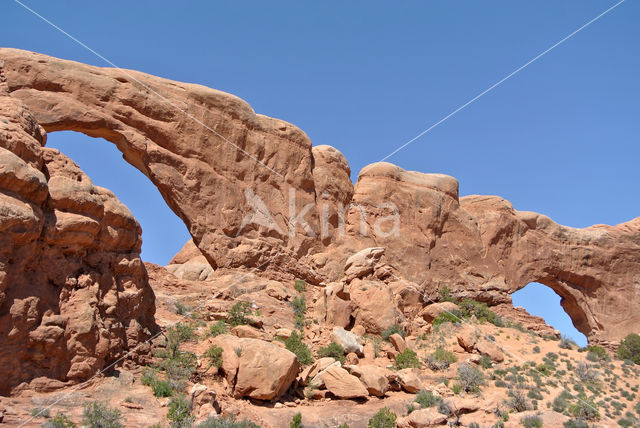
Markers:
478,245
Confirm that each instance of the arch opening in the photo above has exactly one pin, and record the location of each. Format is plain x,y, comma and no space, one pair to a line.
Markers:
163,232
543,301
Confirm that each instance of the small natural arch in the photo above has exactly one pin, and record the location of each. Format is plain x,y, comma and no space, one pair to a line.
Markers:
543,301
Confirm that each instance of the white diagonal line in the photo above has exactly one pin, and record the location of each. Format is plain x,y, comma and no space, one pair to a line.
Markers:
498,83
163,98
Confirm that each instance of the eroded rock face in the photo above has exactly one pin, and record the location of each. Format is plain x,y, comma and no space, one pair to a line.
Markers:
73,291
253,193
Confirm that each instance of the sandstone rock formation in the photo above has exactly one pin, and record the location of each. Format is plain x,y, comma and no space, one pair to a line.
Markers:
255,194
74,294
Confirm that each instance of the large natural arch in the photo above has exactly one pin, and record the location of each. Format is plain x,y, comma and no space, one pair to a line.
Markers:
210,155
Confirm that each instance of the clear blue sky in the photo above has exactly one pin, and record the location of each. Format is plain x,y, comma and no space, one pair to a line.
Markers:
561,137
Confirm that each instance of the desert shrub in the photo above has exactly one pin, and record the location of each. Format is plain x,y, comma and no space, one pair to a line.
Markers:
148,377
217,328
180,308
161,388
295,344
184,332
38,412
225,422
179,413
214,354
441,359
426,399
534,394
629,348
300,285
445,294
560,403
296,421
470,378
333,350
566,342
485,362
586,373
584,409
394,329
385,418
299,306
179,368
60,420
517,401
453,317
98,415
470,307
536,349
575,423
239,314
598,351
532,421
407,359
444,407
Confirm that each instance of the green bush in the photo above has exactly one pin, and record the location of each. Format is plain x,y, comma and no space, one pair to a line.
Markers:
470,378
296,421
598,351
426,399
485,362
445,294
517,401
161,388
566,342
584,409
441,359
407,359
575,423
98,415
299,305
225,422
217,328
300,285
38,412
453,317
470,307
214,354
181,309
239,314
295,344
629,348
179,368
532,421
333,350
148,377
385,418
179,413
394,329
60,420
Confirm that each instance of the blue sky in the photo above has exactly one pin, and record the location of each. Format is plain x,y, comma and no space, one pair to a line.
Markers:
561,137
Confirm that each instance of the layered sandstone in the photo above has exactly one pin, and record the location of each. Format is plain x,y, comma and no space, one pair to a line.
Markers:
73,291
254,194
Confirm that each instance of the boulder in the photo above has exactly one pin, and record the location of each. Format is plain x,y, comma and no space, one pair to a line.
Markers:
430,312
362,262
467,337
490,349
349,341
262,371
409,380
423,418
318,366
247,331
373,305
374,378
398,342
343,385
